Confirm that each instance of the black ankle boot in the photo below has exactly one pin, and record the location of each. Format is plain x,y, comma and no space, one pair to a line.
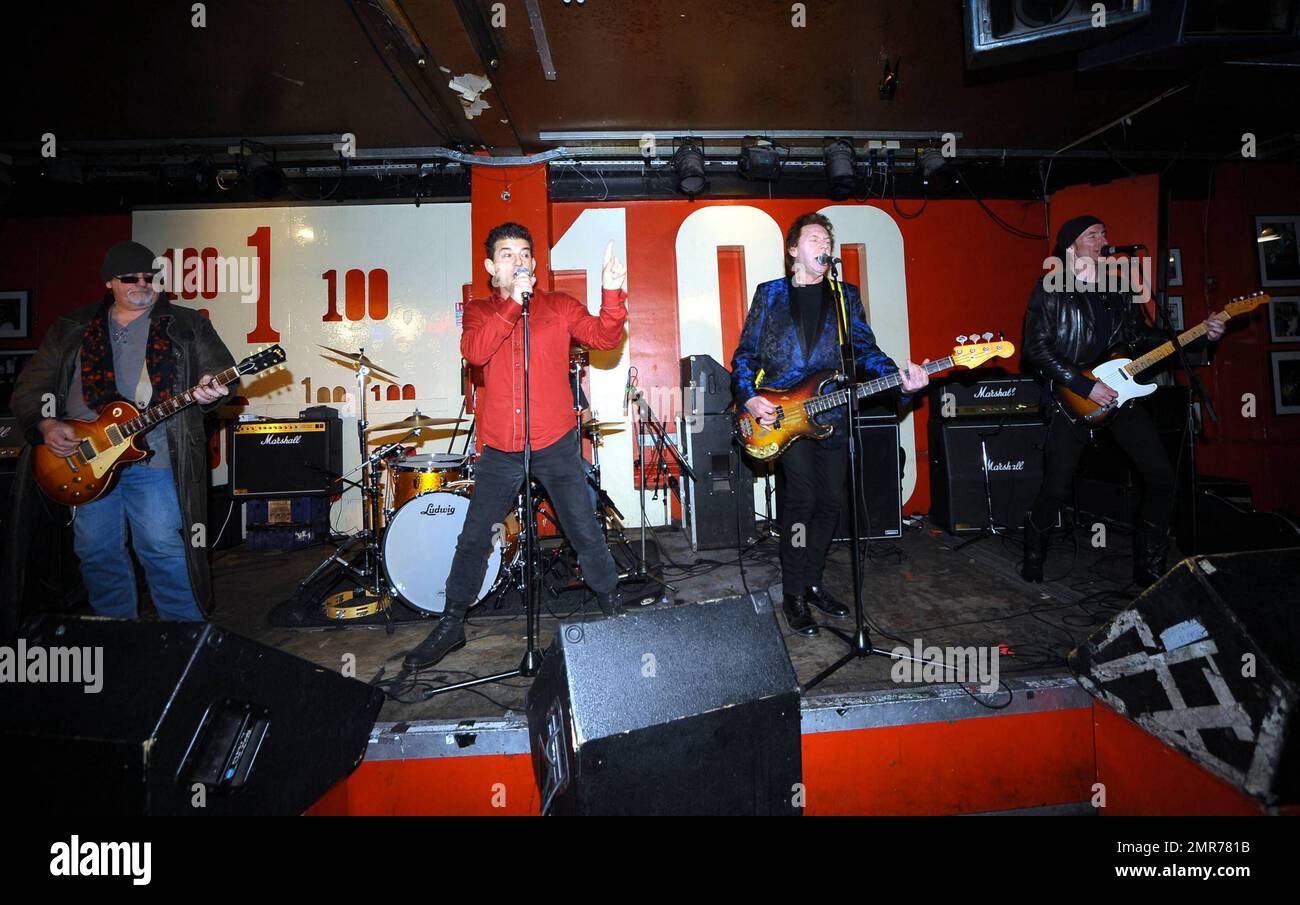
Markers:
447,636
1150,552
1035,551
797,615
819,598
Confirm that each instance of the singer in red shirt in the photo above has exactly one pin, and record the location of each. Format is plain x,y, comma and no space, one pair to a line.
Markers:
492,338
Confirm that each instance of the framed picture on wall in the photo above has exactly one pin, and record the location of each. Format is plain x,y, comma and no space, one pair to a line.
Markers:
1175,267
15,315
1174,307
1284,318
1277,249
1286,382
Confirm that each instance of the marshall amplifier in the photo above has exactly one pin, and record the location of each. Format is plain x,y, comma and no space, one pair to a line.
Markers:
1015,451
285,458
984,396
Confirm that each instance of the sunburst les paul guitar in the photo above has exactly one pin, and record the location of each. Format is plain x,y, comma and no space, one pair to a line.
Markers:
108,442
1120,374
797,406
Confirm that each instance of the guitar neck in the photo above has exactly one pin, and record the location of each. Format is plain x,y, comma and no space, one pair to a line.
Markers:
1165,349
870,387
151,416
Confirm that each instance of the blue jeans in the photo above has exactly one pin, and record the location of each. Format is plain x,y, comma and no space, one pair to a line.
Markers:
146,498
497,479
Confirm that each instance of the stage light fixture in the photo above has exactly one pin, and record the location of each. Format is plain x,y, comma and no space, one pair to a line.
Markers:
840,175
937,173
761,161
688,163
261,171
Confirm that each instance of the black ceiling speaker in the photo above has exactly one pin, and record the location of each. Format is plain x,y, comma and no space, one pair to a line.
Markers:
1002,31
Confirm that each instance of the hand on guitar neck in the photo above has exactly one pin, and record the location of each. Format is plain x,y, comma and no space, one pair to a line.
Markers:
912,377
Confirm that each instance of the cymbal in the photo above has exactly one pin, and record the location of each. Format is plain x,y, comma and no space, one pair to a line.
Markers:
359,359
415,420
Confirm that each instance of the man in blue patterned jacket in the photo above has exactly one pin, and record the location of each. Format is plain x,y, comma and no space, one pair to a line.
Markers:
791,334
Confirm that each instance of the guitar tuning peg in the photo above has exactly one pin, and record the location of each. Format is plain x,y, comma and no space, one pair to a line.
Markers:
988,336
962,338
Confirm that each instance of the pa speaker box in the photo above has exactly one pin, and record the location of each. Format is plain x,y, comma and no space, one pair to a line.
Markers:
1015,471
119,717
691,709
880,470
719,503
1208,660
706,385
285,458
1001,31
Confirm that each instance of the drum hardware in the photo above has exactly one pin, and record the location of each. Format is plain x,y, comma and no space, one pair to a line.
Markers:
417,420
372,594
645,417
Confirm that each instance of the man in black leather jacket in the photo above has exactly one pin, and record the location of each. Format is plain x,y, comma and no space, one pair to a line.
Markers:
1068,329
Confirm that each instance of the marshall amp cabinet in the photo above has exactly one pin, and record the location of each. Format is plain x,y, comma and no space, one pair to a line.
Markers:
285,458
1013,395
719,504
1015,468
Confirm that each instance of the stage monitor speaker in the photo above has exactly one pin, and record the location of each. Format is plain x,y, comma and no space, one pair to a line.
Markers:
706,386
1206,660
957,499
718,506
656,713
285,458
172,718
1002,31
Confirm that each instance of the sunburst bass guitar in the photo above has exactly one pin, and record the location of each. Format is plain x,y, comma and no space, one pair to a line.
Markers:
797,406
108,442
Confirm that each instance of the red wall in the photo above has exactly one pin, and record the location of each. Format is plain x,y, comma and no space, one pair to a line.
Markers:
1219,263
57,260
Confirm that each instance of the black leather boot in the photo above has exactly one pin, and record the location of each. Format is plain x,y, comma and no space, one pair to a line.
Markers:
1035,551
447,636
1150,552
611,603
825,602
797,615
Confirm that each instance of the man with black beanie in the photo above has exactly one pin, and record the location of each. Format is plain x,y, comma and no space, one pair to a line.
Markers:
133,345
1074,326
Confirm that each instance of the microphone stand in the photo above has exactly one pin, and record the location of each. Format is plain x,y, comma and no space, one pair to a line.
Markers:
859,642
532,659
645,416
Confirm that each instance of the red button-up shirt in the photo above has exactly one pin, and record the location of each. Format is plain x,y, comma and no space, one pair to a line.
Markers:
492,337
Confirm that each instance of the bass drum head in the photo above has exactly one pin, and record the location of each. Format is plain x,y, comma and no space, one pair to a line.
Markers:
419,545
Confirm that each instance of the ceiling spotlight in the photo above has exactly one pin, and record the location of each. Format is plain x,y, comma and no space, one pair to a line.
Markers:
261,171
839,169
688,163
936,172
761,161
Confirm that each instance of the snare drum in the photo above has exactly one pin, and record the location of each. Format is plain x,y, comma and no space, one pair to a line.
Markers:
421,540
418,475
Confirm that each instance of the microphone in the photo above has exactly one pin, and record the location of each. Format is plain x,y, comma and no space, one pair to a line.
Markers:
1108,250
824,260
526,295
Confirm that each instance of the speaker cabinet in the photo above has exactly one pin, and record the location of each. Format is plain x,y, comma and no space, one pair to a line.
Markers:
692,709
1015,470
1002,31
719,503
285,458
173,718
1205,660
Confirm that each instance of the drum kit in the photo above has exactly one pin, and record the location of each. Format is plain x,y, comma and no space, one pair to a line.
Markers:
414,507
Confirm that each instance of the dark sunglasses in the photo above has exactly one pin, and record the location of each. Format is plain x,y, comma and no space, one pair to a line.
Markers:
134,278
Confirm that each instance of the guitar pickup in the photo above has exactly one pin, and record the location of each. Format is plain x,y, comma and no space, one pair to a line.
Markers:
87,450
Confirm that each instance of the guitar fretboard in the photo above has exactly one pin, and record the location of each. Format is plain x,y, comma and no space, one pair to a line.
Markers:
869,388
1165,349
152,416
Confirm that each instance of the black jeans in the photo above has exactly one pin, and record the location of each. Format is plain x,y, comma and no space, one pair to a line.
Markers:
811,483
1136,434
497,478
